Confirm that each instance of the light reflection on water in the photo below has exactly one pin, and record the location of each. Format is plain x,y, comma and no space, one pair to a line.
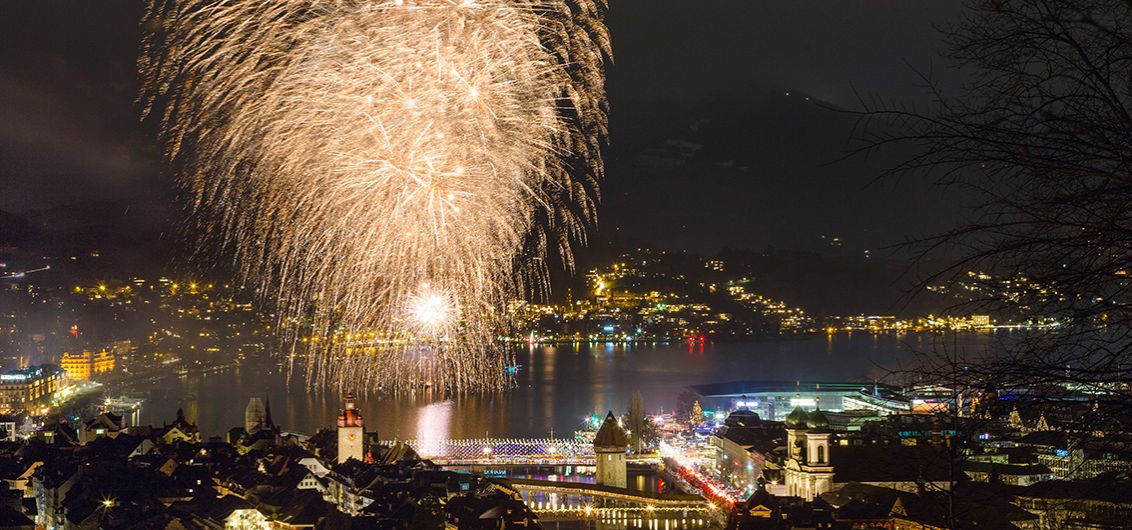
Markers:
555,388
433,425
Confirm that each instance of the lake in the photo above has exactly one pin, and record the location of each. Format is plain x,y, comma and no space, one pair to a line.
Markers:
556,386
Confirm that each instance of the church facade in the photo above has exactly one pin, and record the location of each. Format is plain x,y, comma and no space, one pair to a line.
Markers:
808,471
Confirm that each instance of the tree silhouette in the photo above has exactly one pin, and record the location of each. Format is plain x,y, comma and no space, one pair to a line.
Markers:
637,420
1042,134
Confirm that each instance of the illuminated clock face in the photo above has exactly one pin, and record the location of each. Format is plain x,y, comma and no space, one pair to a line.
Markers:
352,437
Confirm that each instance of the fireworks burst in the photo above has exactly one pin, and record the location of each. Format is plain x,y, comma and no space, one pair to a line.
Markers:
386,169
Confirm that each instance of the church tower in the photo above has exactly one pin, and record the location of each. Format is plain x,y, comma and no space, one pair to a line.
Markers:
351,434
808,470
254,416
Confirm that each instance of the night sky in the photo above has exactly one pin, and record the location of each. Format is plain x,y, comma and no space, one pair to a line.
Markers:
711,76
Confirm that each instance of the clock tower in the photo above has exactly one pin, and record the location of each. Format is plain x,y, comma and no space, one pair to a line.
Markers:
351,434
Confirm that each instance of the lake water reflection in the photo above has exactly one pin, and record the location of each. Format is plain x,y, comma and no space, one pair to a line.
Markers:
556,386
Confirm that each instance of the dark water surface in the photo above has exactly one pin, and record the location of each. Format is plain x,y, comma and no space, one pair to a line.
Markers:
556,385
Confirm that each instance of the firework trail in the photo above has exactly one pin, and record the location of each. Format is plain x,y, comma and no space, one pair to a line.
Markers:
386,171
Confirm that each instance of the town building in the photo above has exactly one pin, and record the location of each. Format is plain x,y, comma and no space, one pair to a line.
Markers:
1072,458
1006,473
8,429
766,511
104,425
971,505
747,449
1103,502
23,390
181,430
83,366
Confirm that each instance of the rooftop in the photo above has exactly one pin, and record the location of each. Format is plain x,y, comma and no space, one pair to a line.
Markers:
611,434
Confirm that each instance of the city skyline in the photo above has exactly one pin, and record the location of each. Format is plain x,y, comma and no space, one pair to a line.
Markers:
565,265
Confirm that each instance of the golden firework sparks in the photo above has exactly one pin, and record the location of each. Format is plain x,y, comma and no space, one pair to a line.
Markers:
350,153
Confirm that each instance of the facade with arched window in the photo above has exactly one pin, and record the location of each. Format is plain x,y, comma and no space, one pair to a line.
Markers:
808,471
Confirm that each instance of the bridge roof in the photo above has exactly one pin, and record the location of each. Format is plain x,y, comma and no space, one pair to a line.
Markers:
612,490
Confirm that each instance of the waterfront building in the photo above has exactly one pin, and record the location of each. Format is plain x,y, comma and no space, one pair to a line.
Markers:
610,445
773,400
83,366
76,365
103,362
351,433
22,390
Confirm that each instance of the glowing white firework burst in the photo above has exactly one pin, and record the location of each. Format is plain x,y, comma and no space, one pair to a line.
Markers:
430,312
351,152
